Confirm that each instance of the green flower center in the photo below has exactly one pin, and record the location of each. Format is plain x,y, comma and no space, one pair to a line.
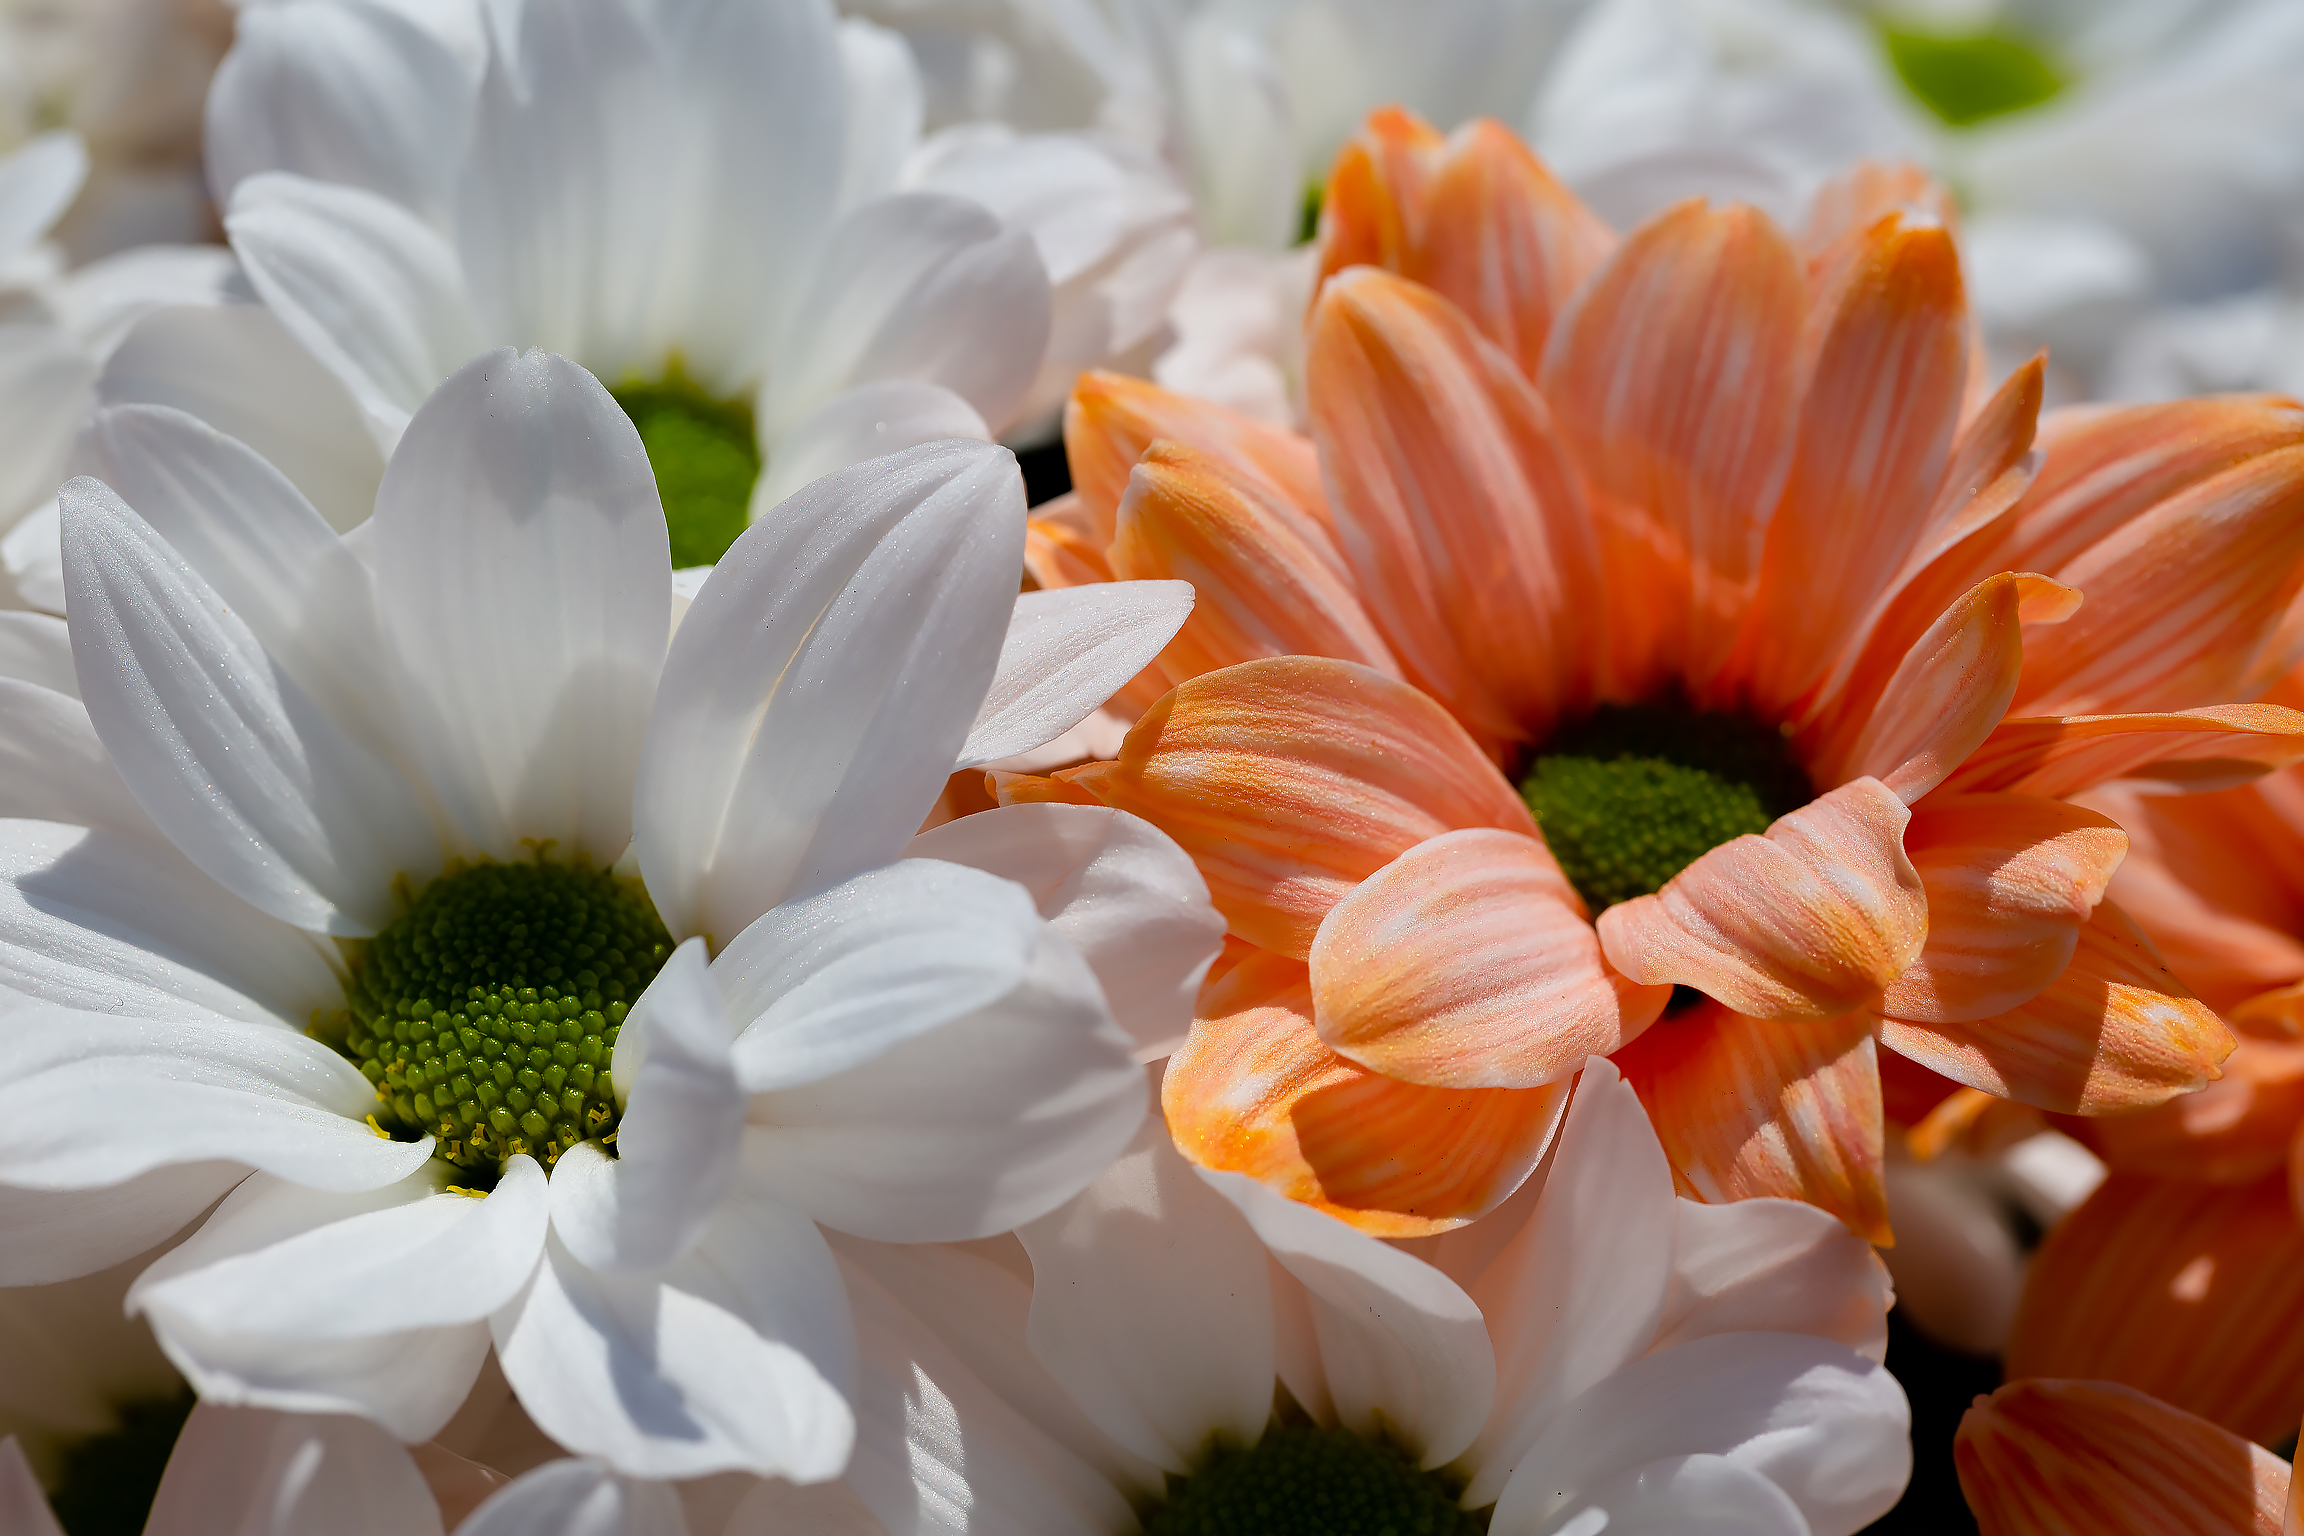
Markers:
486,1014
1967,78
1302,1480
1633,794
705,458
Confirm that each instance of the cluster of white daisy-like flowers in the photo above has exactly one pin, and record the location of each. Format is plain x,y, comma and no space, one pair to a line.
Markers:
608,929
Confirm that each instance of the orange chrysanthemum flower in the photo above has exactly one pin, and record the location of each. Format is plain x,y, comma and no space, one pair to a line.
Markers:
2084,1458
1648,619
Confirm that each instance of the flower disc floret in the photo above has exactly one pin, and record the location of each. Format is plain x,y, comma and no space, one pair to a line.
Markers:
1634,793
705,457
486,1014
1304,1480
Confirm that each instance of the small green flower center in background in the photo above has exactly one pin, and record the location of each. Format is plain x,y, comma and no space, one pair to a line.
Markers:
1967,78
705,457
486,1014
1308,221
1634,793
110,1479
1303,1480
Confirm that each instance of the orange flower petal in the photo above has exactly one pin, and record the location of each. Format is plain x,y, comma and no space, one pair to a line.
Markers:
2187,749
2010,881
1063,546
1110,420
1950,690
1373,211
1293,779
2088,1458
1876,433
1268,578
1468,962
2237,1129
1805,922
1846,208
2191,1292
1503,240
1254,1091
1750,1107
1033,789
2115,1031
1674,377
2180,599
1472,548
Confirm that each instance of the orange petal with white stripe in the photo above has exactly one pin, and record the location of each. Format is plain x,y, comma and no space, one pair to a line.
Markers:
1846,208
1064,546
2091,1458
2239,1128
1876,432
1372,213
1468,962
2116,1031
1291,780
2189,1291
2010,881
1674,378
2180,599
1470,544
1267,577
1254,1091
1110,420
1807,921
1749,1107
2191,750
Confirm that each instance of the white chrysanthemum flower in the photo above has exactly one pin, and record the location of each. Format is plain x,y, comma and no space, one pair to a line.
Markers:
387,790
722,208
1207,1355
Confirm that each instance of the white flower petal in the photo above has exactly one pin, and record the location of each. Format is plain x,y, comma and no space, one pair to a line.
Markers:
24,1507
298,1265
822,681
33,555
526,577
89,1100
885,104
1823,1423
411,1383
37,648
37,183
1151,1304
1675,1496
63,1234
124,925
866,422
52,767
371,289
1404,1351
988,1121
830,982
236,367
577,1498
922,286
100,302
354,93
244,770
733,1359
1581,1288
46,382
1778,1265
257,1472
1068,651
1117,889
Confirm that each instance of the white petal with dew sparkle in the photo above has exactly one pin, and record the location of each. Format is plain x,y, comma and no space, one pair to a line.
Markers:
91,1100
823,680
867,422
1151,1304
1068,651
982,1123
828,983
244,770
1117,889
577,1498
62,1234
258,1472
371,289
1676,1495
525,577
733,1359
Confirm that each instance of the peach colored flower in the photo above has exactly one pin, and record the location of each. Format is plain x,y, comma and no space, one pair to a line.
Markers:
1712,546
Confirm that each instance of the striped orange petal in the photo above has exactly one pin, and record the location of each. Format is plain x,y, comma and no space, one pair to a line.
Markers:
1372,214
1468,962
1254,1091
1110,420
1805,922
2010,881
2214,747
2192,1292
2090,1458
1064,546
1290,780
2237,1129
1750,1107
2115,1031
